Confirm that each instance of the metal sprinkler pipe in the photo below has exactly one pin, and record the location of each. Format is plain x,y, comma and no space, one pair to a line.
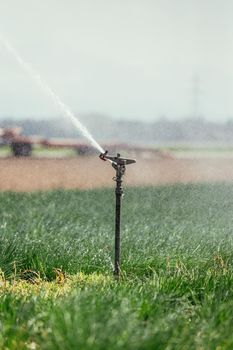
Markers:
119,164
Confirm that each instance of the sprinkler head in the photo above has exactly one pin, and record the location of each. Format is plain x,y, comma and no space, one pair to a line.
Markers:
116,160
103,155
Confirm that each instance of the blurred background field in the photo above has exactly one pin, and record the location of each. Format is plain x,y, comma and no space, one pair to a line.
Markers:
176,151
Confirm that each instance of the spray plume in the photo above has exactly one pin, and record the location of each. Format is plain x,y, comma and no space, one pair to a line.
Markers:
49,92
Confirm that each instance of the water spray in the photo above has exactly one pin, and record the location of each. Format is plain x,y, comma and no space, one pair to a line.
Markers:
49,92
119,164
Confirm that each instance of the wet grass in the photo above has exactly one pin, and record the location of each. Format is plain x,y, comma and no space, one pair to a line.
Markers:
176,289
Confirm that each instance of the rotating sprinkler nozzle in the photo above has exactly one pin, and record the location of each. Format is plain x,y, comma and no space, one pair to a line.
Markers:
119,164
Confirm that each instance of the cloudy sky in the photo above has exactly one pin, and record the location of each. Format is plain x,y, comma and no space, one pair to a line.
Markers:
132,59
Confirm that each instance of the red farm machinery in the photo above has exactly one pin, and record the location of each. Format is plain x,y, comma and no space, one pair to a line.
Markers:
22,146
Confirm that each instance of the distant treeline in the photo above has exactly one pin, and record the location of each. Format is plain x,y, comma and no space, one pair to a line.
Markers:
104,129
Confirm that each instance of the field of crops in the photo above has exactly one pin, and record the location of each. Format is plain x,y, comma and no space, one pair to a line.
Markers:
176,288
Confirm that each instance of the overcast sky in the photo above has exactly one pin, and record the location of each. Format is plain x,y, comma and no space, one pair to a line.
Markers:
132,59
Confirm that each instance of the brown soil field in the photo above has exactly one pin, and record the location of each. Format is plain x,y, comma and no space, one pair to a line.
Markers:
33,174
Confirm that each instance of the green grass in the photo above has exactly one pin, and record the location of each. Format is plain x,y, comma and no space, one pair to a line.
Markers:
41,151
176,289
53,152
5,151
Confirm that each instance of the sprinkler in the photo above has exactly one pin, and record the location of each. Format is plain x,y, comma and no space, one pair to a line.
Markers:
119,164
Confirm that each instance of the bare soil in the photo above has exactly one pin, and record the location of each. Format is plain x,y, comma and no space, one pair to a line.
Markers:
90,172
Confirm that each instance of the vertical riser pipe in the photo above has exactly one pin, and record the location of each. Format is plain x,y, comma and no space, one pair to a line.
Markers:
119,192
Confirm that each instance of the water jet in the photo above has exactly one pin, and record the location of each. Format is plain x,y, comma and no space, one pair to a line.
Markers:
50,93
